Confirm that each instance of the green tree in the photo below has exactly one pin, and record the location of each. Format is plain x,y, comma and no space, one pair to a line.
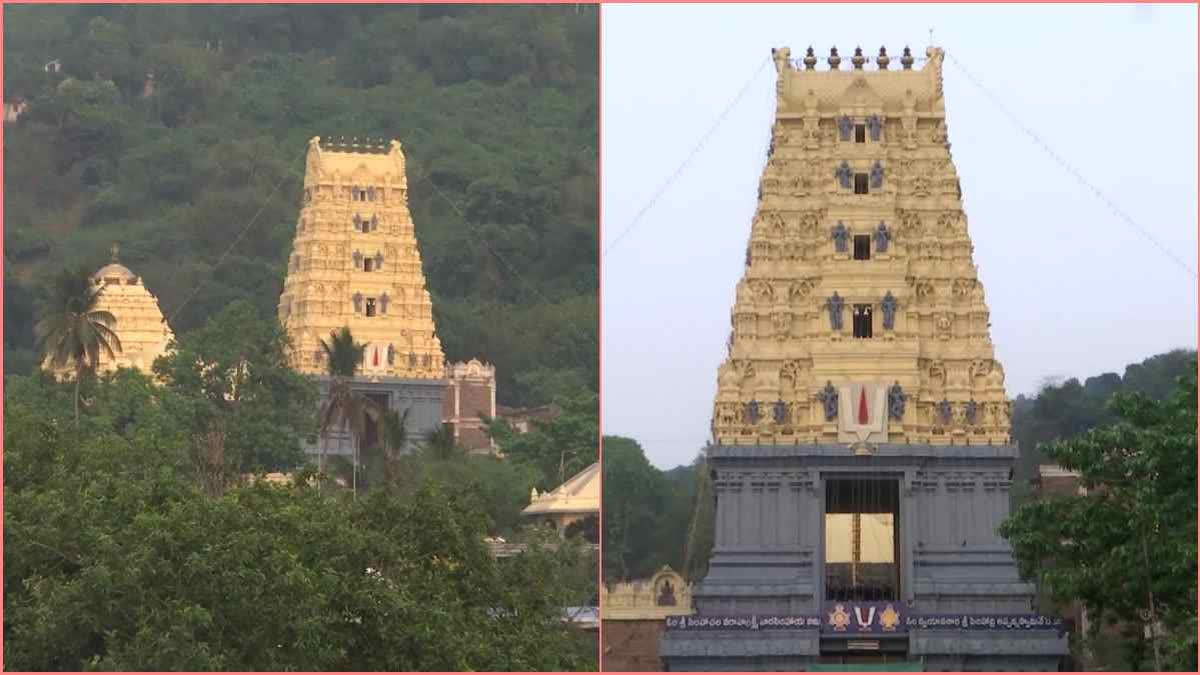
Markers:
561,447
345,408
1127,549
635,493
249,410
322,582
440,444
71,329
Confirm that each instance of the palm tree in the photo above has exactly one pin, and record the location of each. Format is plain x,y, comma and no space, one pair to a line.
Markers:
395,435
345,407
440,444
72,330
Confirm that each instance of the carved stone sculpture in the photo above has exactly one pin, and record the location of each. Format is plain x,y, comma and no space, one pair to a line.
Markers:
896,399
829,399
874,126
841,237
752,412
845,126
877,175
882,237
844,174
779,411
834,304
944,411
889,304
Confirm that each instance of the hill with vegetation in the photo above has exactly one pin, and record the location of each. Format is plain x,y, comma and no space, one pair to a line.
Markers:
168,129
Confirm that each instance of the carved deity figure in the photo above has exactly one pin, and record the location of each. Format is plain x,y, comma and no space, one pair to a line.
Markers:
358,298
412,359
944,411
896,399
841,237
829,399
666,595
972,412
357,259
391,354
378,260
874,126
882,237
383,303
844,173
834,304
845,126
877,175
752,412
889,304
779,411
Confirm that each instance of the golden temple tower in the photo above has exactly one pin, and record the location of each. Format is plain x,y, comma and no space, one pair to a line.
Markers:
140,326
355,263
860,317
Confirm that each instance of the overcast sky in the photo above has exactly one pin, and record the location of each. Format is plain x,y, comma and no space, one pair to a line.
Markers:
1073,290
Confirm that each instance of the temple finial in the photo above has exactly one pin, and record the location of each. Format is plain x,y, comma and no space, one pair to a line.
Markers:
114,250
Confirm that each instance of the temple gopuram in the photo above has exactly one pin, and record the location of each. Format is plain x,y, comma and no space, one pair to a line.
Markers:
861,455
140,326
355,262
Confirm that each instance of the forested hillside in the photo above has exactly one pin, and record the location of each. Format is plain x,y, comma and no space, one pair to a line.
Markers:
654,518
168,129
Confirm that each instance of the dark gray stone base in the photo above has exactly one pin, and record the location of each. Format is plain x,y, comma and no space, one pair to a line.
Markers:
768,556
422,398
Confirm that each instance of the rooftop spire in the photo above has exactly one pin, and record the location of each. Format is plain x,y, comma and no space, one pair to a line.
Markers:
115,248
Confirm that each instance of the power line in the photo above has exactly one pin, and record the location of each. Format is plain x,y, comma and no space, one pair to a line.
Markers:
233,245
1071,169
687,160
512,270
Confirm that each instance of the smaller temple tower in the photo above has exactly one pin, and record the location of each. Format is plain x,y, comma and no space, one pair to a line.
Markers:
355,263
143,331
470,395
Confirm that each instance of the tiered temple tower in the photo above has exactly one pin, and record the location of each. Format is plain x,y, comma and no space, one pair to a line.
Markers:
140,326
862,458
355,262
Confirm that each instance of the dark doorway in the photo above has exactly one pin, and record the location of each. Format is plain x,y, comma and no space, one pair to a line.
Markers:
862,247
861,547
861,180
373,430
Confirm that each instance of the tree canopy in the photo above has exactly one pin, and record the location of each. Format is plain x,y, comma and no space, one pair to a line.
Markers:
1126,550
168,128
117,559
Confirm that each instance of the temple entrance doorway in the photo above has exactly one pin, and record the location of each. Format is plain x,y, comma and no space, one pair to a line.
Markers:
861,542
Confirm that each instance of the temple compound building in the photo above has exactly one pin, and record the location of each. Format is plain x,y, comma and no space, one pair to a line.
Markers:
634,613
861,453
355,263
140,326
573,507
470,395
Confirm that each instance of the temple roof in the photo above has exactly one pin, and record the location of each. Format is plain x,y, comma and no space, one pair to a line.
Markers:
580,494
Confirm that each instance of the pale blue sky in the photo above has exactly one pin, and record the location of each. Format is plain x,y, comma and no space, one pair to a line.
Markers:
1073,291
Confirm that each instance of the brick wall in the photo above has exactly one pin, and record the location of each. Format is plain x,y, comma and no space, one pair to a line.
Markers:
631,645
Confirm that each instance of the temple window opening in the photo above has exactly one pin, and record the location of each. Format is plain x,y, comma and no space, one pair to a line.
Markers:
860,183
862,247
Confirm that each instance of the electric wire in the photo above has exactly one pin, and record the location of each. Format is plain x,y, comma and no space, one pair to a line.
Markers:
1069,168
572,345
637,218
237,240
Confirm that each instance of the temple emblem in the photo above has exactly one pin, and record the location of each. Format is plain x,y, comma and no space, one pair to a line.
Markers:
839,618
